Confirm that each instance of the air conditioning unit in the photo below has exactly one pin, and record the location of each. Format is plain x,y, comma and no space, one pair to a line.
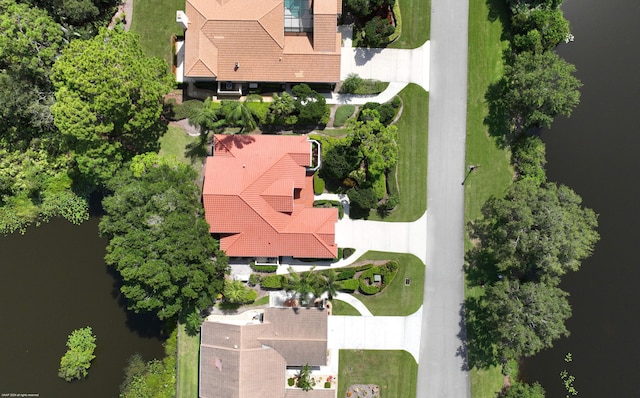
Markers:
182,19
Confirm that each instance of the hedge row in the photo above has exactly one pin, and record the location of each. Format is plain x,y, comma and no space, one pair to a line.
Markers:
272,282
349,285
387,271
264,268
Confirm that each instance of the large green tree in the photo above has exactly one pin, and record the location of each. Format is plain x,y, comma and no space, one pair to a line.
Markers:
109,101
535,232
29,44
538,29
159,240
513,320
537,88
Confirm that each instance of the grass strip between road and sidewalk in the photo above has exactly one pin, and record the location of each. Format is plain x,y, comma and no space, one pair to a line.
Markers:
395,372
494,174
397,298
188,363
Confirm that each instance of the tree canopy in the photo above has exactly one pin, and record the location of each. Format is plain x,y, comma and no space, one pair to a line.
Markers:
159,240
537,88
513,320
109,101
536,232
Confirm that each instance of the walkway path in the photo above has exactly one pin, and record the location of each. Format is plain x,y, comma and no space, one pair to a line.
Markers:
445,373
357,304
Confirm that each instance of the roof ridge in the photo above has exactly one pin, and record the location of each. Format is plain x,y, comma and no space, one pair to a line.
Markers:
281,45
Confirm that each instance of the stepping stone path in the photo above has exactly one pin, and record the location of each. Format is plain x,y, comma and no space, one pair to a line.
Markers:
363,391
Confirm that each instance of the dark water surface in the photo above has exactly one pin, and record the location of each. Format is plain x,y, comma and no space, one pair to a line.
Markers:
595,152
54,280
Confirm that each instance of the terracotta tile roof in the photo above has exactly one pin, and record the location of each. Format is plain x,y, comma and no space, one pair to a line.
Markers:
223,33
236,360
258,196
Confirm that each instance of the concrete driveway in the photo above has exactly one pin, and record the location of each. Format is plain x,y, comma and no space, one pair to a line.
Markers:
376,333
387,65
397,237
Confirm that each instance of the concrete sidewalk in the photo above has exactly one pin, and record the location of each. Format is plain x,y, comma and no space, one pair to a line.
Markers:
357,304
376,333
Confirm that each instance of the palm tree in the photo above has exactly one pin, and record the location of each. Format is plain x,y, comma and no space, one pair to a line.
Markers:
327,284
302,284
238,114
206,118
234,291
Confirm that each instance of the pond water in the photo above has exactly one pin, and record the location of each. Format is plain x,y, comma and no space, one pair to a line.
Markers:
595,152
54,280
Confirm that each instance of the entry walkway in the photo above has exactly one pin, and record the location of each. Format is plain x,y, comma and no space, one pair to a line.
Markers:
375,333
357,304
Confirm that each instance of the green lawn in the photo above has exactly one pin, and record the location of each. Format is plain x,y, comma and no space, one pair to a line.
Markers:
155,22
342,308
495,173
188,363
394,371
485,67
416,23
412,163
177,143
397,299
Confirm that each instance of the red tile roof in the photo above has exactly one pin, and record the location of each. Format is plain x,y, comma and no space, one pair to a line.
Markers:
223,33
258,196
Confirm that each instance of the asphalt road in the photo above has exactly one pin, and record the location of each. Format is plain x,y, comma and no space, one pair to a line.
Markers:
442,371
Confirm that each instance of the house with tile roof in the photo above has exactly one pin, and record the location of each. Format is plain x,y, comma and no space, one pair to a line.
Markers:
249,359
258,198
236,42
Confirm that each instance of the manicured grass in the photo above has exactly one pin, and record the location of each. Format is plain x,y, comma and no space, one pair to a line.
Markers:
343,113
264,300
342,308
394,371
416,23
177,143
485,67
155,22
412,162
396,298
495,173
333,132
188,364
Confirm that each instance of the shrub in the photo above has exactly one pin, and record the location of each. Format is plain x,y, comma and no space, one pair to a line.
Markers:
345,273
387,272
364,267
318,184
363,198
379,187
250,296
291,381
348,285
184,110
347,252
263,268
376,32
327,384
259,110
254,279
351,84
272,282
254,98
76,361
343,113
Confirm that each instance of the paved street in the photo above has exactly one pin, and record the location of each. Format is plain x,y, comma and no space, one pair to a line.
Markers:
443,369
